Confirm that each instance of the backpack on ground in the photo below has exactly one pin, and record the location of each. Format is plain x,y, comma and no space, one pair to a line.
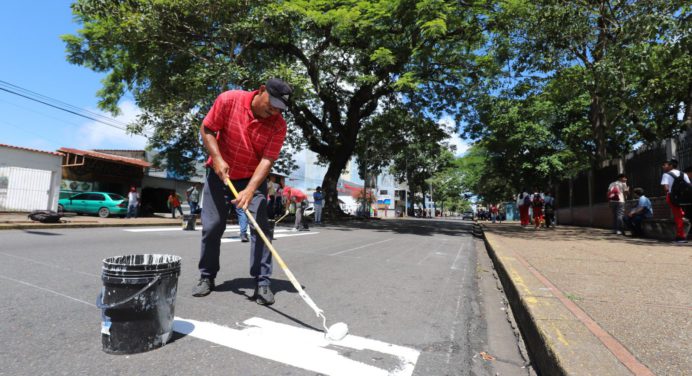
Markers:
614,193
45,216
681,191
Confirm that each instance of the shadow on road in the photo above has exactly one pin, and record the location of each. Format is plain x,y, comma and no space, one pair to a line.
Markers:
246,286
32,232
423,227
566,233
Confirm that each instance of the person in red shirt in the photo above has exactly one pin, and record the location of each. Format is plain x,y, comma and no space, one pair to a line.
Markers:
174,204
243,134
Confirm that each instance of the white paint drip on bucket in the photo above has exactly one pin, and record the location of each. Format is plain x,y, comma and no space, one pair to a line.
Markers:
299,347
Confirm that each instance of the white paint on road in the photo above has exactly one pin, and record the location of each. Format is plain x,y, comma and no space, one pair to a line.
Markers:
361,247
300,347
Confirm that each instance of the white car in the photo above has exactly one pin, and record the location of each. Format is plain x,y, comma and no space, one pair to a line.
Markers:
310,210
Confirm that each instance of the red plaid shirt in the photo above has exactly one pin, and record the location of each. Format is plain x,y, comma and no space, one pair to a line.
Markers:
243,139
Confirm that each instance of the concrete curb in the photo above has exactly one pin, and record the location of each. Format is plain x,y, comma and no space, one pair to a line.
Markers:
559,344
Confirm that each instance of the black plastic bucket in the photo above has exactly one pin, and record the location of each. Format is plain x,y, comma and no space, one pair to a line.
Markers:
137,302
189,222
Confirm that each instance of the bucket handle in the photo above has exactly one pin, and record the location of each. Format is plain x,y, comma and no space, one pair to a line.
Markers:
99,299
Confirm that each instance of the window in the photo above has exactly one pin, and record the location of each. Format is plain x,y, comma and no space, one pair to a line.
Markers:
115,197
81,196
96,197
384,192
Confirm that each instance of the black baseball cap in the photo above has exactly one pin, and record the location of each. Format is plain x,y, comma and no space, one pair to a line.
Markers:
279,93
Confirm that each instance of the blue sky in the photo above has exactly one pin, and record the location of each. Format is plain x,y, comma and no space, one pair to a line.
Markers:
33,57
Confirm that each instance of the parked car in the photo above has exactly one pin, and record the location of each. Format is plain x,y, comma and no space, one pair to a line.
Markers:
103,204
467,215
309,211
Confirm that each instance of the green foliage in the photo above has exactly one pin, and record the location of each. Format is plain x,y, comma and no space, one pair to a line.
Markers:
344,59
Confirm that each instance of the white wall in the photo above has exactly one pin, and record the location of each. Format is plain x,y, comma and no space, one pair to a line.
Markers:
33,180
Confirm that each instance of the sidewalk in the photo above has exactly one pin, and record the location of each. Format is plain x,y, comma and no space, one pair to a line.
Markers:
9,221
592,303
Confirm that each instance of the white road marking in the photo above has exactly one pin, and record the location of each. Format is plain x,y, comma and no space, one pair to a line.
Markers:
300,347
361,247
454,264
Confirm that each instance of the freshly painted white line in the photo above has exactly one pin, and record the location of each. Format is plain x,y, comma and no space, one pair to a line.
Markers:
300,347
361,247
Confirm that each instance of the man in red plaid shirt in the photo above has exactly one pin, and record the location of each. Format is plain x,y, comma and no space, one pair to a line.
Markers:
243,134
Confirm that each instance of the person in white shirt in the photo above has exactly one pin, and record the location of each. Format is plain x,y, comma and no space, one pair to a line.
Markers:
132,203
670,172
616,200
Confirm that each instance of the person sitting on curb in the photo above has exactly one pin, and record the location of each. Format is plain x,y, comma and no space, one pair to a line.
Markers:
633,219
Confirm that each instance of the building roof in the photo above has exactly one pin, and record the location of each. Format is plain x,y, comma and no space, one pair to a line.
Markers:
107,157
29,149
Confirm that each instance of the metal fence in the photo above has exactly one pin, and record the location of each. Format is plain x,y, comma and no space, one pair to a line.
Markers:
643,169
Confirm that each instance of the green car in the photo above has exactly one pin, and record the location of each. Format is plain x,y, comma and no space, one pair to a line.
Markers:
102,203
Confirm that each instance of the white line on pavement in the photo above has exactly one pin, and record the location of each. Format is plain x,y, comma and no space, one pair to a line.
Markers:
48,290
299,347
361,247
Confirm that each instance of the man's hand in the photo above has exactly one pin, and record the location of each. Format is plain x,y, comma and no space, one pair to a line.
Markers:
221,168
244,198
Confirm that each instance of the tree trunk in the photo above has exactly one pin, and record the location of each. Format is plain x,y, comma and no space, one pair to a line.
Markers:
329,187
598,122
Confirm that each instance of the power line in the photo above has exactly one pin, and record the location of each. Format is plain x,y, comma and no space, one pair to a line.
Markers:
57,104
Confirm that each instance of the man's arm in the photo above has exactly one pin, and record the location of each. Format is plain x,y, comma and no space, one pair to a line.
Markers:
209,140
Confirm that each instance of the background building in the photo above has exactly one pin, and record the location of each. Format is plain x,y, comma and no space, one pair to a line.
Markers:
29,179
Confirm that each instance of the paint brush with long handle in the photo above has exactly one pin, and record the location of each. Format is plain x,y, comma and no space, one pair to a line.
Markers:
335,332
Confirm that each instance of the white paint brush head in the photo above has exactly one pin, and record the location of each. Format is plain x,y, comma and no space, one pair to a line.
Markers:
337,332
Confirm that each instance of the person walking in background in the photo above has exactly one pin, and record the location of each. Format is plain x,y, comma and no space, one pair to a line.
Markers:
242,223
537,202
132,202
192,194
173,203
493,212
633,219
279,205
271,196
548,209
617,192
670,172
524,203
318,201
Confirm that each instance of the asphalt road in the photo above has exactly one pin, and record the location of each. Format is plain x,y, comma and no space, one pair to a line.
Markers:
426,287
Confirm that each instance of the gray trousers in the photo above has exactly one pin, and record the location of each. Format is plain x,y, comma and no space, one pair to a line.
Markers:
299,216
618,209
217,197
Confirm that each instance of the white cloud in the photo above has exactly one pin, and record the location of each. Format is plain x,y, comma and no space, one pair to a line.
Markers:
455,139
95,135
